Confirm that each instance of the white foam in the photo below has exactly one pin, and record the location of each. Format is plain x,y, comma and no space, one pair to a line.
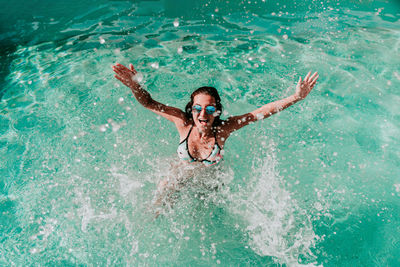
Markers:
397,187
138,77
126,182
155,65
276,225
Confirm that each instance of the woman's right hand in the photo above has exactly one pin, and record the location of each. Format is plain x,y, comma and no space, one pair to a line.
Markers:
126,76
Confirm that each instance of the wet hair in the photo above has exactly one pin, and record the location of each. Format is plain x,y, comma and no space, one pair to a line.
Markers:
211,91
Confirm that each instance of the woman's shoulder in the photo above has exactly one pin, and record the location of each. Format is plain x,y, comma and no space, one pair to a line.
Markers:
220,135
184,129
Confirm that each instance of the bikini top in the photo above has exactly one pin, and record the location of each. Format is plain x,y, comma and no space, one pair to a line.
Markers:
214,158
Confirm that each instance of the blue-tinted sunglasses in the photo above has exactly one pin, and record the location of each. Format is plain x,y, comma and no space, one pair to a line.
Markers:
209,109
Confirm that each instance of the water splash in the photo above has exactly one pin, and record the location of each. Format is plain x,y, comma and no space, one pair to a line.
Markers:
276,225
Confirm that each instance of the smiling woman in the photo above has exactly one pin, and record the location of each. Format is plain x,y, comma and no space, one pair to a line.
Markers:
204,111
202,132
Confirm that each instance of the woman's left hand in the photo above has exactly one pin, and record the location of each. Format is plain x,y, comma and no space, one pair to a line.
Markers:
126,76
304,87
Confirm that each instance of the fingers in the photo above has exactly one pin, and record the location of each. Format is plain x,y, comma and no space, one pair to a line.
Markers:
307,77
120,78
314,82
132,68
313,76
118,71
124,72
311,80
122,69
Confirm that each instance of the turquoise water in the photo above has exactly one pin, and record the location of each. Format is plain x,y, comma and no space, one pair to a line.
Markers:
316,185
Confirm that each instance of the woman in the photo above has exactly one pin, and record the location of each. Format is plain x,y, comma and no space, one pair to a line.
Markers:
202,132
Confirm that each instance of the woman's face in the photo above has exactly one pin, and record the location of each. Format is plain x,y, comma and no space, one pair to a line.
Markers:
202,119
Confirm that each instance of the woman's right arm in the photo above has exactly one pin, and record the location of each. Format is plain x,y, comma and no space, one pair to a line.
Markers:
128,78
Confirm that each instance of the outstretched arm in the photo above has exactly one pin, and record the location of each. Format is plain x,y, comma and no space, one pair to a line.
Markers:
303,88
129,78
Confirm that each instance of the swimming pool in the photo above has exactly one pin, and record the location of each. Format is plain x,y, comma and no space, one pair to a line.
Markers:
318,184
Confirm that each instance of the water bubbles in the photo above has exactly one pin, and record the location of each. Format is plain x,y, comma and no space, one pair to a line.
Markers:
138,77
180,50
102,128
176,22
18,74
35,25
397,187
379,11
397,75
318,206
33,251
155,65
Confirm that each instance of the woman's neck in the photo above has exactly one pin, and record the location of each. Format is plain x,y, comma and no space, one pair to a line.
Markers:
204,133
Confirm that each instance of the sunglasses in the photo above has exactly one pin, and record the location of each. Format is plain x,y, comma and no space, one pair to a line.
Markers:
209,109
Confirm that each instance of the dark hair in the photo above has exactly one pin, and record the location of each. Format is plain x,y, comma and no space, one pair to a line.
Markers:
211,91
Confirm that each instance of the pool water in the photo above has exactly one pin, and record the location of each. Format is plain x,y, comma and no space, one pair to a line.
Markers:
315,185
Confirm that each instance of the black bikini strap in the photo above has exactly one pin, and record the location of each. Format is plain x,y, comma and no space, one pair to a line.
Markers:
187,137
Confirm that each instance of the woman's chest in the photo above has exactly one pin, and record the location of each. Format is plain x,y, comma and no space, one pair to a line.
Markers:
201,150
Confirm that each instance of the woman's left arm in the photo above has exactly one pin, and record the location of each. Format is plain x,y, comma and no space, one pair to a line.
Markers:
303,88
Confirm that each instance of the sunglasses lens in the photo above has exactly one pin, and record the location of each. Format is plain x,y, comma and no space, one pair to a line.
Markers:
197,108
210,109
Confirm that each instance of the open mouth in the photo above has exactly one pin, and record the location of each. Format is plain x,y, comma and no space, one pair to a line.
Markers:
203,122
